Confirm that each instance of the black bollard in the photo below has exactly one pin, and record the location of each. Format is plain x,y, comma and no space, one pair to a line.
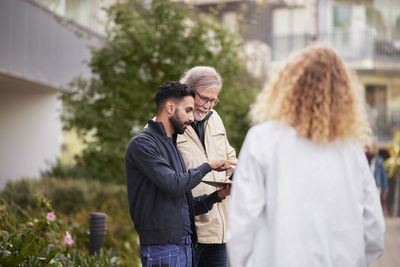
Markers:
97,231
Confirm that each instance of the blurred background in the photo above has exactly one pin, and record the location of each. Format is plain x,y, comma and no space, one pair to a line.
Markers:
44,45
62,63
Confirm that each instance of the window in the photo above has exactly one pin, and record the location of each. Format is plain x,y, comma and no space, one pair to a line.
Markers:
341,16
381,122
88,13
289,32
376,96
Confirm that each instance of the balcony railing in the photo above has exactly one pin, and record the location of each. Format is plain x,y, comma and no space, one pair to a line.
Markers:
381,46
384,124
354,46
36,47
282,46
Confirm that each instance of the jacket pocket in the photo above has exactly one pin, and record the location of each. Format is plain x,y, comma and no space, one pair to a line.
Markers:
218,140
181,139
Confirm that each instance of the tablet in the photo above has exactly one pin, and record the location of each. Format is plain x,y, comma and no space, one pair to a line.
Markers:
230,175
217,184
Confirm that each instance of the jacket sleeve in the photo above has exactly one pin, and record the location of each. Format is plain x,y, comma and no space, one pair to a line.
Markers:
204,203
374,225
246,205
230,151
231,154
146,157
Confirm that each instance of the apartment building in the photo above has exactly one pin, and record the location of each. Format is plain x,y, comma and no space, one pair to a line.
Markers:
366,33
42,48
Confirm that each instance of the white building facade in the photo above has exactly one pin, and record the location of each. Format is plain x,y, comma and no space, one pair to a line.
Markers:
40,53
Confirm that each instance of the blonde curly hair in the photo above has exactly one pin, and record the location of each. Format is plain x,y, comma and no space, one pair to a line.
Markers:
313,94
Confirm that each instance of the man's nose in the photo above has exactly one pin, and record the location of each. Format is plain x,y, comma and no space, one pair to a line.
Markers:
191,118
207,105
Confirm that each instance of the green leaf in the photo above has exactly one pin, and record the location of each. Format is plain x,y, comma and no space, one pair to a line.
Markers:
52,252
5,236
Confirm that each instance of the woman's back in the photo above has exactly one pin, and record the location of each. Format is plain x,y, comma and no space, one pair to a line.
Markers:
308,204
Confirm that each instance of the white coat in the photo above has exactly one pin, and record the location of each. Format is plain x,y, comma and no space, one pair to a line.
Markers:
295,203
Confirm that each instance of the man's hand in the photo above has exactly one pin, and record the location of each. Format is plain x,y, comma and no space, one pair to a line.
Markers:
220,165
226,191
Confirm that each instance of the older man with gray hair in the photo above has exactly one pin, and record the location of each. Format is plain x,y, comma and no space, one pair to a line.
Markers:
206,140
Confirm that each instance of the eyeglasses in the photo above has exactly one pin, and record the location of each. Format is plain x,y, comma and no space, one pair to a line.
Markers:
204,100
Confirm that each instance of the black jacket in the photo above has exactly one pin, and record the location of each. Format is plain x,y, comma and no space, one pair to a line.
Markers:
155,188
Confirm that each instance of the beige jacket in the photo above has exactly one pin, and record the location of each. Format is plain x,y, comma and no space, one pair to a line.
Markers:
211,227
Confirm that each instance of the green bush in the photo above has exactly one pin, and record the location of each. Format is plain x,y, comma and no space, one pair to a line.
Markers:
27,249
20,192
70,199
67,195
73,200
43,240
60,170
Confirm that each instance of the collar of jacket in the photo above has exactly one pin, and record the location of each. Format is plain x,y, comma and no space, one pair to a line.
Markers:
207,116
204,119
158,128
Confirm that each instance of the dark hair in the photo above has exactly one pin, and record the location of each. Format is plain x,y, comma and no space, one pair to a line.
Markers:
175,91
384,153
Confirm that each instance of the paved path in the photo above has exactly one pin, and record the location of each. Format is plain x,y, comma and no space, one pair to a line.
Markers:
391,256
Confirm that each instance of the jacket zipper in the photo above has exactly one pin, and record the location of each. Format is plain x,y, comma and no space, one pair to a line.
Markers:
218,206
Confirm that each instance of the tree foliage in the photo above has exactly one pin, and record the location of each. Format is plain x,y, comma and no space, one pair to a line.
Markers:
393,163
146,44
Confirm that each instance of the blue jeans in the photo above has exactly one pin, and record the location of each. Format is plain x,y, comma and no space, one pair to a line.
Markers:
211,255
168,255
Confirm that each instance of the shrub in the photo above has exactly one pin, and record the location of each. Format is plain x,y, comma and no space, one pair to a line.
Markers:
73,200
69,198
44,241
26,249
20,192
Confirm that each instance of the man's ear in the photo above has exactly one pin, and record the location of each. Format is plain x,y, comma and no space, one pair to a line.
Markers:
170,107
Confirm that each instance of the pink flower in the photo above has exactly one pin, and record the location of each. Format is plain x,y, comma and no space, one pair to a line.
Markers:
51,216
68,239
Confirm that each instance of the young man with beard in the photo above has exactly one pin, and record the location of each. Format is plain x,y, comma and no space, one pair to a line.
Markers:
206,140
159,186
